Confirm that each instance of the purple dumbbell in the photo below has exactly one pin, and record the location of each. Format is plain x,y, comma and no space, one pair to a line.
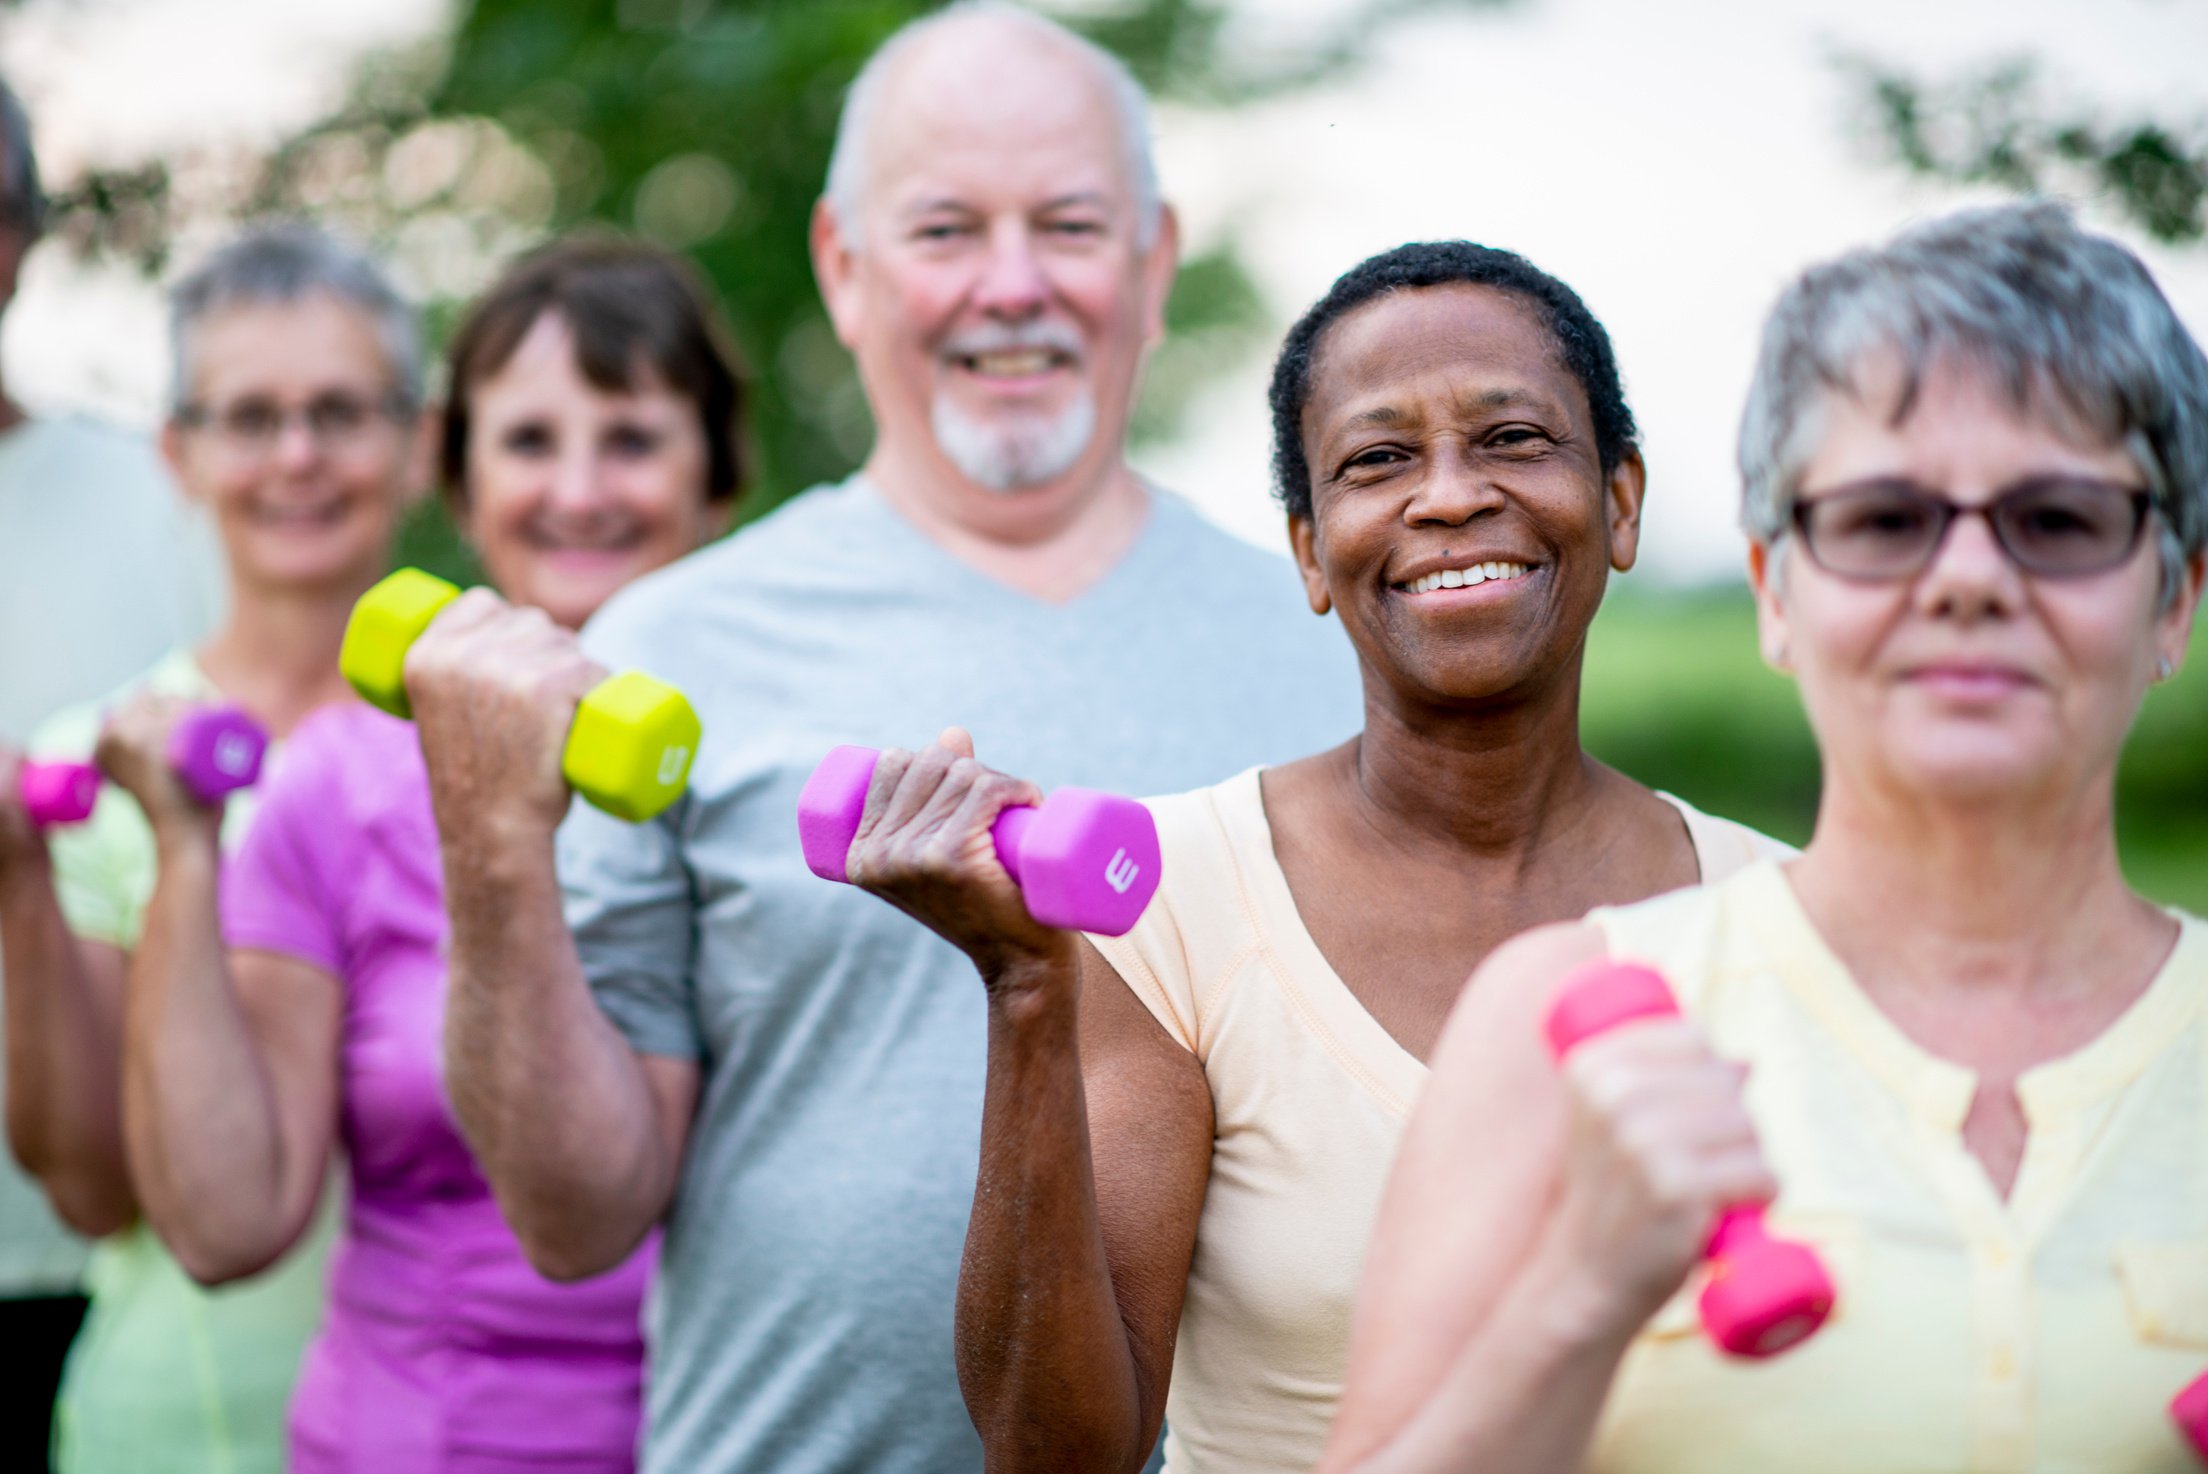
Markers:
1085,860
215,750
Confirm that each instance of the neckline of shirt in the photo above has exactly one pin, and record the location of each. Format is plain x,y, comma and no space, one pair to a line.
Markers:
1145,546
1329,1004
1939,1090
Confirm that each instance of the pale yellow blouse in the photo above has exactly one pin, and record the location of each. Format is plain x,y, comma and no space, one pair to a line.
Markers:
1309,1097
2043,1333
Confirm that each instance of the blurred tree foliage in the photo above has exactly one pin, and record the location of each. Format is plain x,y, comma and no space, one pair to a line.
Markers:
1677,695
705,125
2002,125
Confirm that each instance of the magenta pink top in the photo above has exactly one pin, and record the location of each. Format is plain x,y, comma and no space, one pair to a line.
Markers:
442,1351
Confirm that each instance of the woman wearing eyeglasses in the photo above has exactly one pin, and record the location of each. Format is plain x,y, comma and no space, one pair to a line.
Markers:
592,432
296,430
1967,1061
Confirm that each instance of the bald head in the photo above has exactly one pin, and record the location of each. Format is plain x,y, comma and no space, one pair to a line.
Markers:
988,71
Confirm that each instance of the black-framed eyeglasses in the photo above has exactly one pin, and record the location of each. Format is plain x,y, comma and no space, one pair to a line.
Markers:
335,422
2049,526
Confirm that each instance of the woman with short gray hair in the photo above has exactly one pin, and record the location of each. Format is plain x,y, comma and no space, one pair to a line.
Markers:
1948,1046
294,427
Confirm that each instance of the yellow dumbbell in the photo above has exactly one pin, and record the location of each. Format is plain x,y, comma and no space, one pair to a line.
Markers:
632,740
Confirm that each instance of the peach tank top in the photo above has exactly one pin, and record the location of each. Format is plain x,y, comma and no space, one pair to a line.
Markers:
1309,1097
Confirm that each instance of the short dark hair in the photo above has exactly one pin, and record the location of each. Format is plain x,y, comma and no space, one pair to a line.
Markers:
1581,345
626,304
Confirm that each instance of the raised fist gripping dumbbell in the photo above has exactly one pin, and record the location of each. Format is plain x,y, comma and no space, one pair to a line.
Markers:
214,750
629,745
1083,860
1763,1294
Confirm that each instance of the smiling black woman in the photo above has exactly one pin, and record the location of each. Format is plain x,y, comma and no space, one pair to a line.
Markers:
1186,1130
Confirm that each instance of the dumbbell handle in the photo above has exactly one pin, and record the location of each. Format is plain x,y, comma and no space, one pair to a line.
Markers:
1083,860
1764,1294
213,750
828,813
631,741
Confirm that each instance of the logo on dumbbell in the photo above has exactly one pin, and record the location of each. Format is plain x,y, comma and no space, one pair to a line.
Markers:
1121,873
671,760
234,753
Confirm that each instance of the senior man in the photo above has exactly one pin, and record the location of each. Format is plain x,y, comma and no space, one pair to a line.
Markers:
785,1072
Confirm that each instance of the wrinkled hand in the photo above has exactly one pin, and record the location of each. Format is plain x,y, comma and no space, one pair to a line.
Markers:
21,843
924,846
494,689
133,753
1661,1143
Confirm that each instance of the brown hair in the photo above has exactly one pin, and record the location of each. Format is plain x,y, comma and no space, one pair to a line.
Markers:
627,305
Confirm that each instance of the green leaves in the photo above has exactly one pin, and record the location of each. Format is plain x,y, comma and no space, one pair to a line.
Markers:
705,125
2000,126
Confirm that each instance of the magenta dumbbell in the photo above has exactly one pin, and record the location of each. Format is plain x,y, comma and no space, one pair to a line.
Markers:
1764,1294
1084,860
58,793
215,750
2190,1409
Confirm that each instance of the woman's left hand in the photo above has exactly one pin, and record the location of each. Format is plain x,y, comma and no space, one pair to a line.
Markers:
133,752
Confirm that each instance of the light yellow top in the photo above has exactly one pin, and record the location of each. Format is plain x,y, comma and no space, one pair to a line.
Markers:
166,1377
1309,1096
2045,1333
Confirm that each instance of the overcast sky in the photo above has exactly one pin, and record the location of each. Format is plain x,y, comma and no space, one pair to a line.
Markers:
1674,162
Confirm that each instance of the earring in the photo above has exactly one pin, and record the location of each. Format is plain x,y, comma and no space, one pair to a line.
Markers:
2163,669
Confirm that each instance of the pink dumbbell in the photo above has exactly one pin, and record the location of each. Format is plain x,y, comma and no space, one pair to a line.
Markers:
1085,860
215,750
58,793
1764,1294
2190,1408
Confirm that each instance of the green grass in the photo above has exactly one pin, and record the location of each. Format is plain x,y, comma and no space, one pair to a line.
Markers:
1677,696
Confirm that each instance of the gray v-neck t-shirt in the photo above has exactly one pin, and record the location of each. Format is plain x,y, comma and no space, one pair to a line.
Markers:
802,1320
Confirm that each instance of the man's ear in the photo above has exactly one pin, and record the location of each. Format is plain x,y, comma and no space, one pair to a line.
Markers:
1627,491
835,268
1303,541
1159,267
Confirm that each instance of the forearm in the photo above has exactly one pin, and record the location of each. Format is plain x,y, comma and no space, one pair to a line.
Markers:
64,1049
1045,1358
1521,1397
551,1097
200,1113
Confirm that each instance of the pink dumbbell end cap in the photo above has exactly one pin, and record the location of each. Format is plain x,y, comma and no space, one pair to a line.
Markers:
59,793
829,809
1763,1294
1087,861
1600,996
2190,1408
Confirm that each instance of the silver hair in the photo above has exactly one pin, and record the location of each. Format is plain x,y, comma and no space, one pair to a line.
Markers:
285,261
2069,325
22,202
846,188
